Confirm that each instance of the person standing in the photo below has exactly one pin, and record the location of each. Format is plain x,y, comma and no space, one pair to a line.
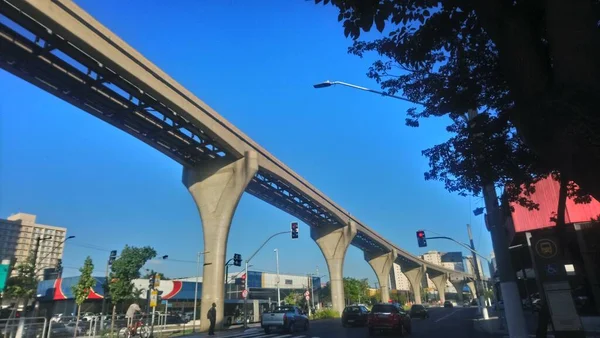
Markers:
212,317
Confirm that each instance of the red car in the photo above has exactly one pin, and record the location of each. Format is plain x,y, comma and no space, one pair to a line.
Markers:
389,317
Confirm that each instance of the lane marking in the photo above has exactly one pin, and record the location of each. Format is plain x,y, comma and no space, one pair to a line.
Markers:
446,316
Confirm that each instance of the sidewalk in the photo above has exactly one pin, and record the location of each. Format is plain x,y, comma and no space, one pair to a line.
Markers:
233,329
497,326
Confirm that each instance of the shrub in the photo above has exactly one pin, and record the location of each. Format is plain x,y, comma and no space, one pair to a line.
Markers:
326,314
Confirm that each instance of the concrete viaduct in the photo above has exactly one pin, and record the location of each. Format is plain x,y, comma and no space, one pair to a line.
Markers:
63,50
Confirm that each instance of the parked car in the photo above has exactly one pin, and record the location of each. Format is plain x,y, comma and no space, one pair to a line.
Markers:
448,304
419,311
288,318
355,315
389,317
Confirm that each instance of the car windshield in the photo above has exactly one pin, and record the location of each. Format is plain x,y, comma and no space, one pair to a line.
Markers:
284,309
384,308
417,307
352,309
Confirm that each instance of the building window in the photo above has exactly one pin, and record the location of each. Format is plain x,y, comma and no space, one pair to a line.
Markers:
288,282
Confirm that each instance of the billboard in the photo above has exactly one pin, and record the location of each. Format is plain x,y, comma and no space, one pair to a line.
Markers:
4,272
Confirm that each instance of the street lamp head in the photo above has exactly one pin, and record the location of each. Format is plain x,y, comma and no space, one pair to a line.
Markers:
165,256
323,84
72,236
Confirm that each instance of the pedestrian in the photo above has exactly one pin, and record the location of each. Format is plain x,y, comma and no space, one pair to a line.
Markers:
212,317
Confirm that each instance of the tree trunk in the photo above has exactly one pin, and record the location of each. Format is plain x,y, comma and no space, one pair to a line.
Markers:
77,320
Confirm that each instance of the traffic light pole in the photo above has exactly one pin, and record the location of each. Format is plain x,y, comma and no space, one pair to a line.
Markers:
247,279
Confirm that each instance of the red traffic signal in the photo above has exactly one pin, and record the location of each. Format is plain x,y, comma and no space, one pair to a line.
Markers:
421,239
244,276
294,227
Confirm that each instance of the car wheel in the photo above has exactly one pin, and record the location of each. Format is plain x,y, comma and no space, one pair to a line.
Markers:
267,331
409,328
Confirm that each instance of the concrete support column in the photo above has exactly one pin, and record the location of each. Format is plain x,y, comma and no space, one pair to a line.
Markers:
382,265
471,286
439,280
459,285
415,277
216,187
334,243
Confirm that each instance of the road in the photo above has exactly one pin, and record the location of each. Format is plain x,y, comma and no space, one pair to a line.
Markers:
442,323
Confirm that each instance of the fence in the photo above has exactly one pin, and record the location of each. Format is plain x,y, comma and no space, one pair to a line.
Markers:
88,326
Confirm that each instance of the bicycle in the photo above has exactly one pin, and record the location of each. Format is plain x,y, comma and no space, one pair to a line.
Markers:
138,328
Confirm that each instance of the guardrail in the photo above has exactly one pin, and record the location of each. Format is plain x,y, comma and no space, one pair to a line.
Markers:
88,326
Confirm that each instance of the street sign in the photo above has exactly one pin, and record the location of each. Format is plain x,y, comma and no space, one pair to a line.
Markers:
307,297
546,248
245,293
307,293
157,280
153,298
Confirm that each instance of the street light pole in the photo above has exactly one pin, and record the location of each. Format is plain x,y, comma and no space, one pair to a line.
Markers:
333,83
196,288
278,278
479,288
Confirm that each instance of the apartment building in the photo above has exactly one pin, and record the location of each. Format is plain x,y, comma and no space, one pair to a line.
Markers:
398,279
19,235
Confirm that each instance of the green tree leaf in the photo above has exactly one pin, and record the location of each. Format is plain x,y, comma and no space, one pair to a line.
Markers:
125,269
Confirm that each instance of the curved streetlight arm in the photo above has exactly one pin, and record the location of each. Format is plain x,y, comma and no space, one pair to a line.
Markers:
51,252
264,243
461,244
333,83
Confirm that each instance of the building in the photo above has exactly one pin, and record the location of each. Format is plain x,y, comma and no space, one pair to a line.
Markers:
398,279
451,260
18,240
56,296
492,264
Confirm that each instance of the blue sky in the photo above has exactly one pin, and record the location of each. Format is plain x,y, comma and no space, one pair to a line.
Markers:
255,63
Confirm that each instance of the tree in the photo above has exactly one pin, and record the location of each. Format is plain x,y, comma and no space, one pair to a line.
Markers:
355,290
124,270
84,286
292,298
532,67
23,285
325,293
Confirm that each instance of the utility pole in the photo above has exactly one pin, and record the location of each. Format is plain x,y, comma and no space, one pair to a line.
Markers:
196,291
508,283
479,287
246,298
278,278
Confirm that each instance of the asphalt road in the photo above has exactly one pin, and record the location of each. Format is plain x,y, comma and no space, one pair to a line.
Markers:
442,323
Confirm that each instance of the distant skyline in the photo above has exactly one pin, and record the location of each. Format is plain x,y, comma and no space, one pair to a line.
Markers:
257,70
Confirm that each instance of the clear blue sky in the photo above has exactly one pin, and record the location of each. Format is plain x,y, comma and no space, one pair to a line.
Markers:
255,63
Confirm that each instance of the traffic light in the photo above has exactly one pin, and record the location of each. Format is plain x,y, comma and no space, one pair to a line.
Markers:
237,259
294,230
159,297
112,257
421,239
151,282
243,281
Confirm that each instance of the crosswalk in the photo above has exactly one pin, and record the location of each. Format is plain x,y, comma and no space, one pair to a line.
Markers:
259,333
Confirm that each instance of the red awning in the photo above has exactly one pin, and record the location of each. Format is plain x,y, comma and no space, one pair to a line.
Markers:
546,195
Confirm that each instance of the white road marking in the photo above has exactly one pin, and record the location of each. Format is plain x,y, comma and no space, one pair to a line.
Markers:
446,316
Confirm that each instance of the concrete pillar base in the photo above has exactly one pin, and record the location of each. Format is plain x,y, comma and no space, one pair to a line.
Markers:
415,277
439,280
217,186
459,285
333,244
382,265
